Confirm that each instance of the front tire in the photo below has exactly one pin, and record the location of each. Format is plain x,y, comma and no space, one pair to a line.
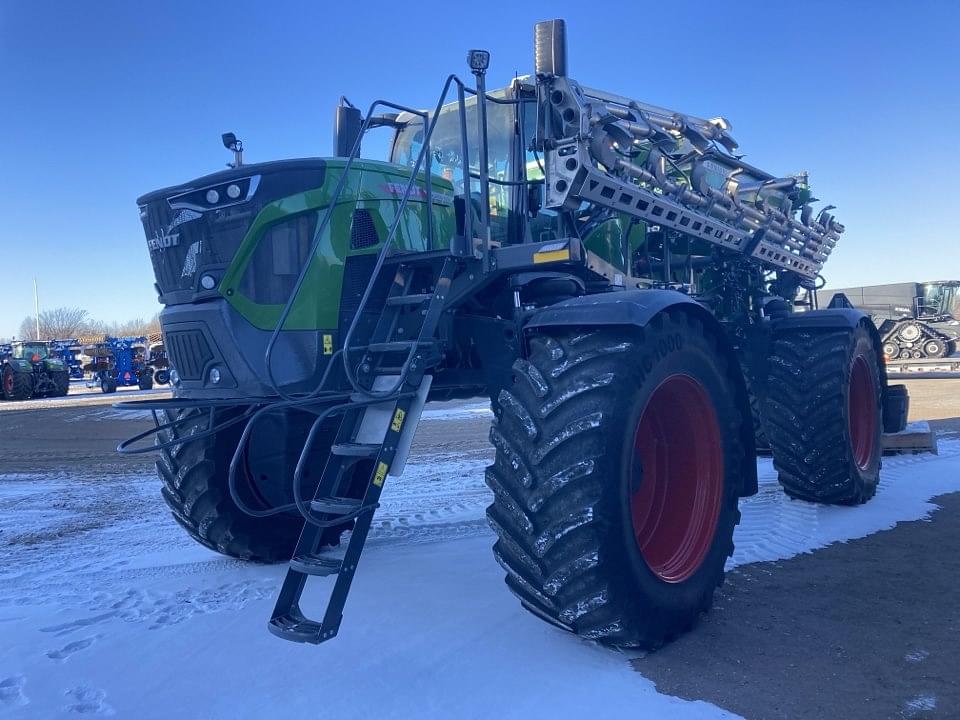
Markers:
824,414
618,470
17,385
194,474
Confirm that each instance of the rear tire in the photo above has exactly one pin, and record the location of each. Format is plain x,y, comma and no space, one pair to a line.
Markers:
824,414
62,383
194,476
161,377
578,471
17,385
108,385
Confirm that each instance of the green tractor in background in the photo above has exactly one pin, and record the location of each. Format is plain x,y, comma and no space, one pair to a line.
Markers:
610,274
29,371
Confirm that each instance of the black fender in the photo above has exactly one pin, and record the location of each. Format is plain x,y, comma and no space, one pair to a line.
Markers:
636,308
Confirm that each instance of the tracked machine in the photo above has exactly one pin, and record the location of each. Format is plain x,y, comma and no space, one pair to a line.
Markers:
916,320
612,275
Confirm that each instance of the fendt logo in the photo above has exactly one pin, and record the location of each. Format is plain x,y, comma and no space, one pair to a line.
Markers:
162,240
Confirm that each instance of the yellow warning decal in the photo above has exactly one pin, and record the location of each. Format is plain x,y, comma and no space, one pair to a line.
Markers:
397,420
552,252
380,474
552,256
327,344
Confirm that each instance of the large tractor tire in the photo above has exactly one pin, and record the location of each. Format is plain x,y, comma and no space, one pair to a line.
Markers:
145,380
61,381
17,385
195,487
619,464
824,414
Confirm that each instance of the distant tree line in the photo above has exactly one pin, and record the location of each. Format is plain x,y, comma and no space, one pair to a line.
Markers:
72,322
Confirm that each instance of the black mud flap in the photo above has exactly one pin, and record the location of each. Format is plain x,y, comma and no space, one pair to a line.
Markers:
896,405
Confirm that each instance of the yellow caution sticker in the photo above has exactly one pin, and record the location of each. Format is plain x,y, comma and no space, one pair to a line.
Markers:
398,417
327,344
553,252
380,474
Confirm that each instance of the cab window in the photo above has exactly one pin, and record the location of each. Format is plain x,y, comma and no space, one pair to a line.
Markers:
447,150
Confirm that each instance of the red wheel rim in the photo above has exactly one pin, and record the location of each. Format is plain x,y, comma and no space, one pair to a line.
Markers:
862,412
678,475
8,382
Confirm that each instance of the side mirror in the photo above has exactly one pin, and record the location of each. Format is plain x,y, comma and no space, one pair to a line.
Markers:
346,129
235,146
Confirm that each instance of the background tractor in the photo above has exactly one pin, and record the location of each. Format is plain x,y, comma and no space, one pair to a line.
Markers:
916,320
29,371
612,275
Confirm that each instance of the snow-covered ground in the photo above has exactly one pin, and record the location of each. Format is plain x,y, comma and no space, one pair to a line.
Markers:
106,607
80,394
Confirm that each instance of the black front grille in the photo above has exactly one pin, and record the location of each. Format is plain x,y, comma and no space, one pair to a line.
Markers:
363,233
357,272
188,352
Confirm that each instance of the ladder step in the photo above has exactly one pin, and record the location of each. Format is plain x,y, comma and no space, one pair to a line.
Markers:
409,299
336,505
394,346
293,626
363,450
313,565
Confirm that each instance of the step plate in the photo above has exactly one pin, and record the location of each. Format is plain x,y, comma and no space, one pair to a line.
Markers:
316,566
297,629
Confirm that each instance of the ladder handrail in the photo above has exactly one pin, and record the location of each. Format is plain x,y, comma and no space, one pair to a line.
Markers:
384,251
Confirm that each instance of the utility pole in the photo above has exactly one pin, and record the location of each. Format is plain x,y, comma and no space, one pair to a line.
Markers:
36,307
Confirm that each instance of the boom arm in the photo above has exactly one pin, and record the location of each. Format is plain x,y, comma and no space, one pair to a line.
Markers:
675,171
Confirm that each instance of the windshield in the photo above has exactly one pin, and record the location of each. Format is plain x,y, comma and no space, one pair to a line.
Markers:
951,302
447,153
940,299
30,351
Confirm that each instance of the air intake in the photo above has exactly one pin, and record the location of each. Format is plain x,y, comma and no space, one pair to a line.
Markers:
363,233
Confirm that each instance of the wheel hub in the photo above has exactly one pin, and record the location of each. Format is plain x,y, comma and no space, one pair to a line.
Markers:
861,412
678,475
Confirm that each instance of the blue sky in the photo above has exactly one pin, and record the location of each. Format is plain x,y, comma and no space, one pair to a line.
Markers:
104,101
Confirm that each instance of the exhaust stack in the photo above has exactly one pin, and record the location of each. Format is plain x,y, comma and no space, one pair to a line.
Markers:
550,48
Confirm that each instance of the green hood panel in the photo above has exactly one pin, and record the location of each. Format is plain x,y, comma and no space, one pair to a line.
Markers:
376,187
